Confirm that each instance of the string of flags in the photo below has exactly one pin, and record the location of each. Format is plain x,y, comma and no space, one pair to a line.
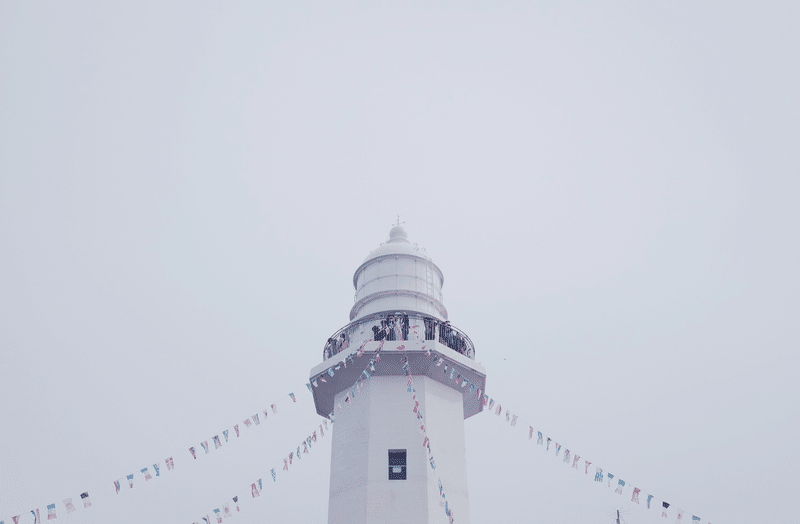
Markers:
573,460
231,506
426,442
216,443
154,470
53,511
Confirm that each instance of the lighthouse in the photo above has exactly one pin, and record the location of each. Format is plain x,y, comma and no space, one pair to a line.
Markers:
398,382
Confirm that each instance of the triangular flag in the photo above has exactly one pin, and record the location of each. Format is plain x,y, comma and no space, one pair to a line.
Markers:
69,506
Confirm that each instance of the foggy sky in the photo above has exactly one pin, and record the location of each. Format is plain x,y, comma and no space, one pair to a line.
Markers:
611,192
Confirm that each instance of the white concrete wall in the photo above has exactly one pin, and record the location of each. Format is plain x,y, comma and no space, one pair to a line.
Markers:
380,418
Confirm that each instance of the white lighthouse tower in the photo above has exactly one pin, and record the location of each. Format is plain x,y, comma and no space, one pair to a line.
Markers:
381,468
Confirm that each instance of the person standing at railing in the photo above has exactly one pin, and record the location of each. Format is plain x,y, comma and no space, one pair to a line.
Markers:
430,328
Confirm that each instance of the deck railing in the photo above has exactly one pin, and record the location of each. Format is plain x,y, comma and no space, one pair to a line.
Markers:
398,326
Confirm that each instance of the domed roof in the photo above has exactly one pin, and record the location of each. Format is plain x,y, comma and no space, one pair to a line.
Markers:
396,245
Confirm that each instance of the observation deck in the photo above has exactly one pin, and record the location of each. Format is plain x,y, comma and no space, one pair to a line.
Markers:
398,326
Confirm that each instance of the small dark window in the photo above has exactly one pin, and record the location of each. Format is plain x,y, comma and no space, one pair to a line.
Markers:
397,464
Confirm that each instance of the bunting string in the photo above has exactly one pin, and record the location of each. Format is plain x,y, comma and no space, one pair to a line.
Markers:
620,486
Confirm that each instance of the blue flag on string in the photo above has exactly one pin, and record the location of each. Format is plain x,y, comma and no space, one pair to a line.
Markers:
540,440
598,476
695,518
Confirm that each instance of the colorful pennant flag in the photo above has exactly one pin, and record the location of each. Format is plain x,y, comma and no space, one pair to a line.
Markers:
146,474
274,409
205,446
155,468
217,514
256,421
225,434
254,490
170,464
191,450
649,498
51,511
130,481
247,422
635,496
575,460
598,476
664,505
272,471
226,510
69,506
236,501
217,442
587,466
680,516
117,486
236,430
566,456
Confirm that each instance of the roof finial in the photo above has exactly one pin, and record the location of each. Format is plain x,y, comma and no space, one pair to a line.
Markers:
398,221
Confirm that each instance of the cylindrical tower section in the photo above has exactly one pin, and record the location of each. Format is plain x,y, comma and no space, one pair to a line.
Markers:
398,277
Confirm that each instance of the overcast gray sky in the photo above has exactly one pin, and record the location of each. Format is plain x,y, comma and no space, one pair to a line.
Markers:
611,191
